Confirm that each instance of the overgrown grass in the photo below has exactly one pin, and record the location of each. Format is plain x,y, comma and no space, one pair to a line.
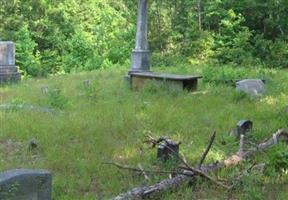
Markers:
107,121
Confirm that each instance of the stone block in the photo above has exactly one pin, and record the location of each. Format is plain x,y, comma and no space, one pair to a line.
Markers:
9,77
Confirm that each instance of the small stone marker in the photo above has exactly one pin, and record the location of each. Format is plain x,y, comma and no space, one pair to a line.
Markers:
167,149
244,126
24,184
8,70
45,89
86,83
251,86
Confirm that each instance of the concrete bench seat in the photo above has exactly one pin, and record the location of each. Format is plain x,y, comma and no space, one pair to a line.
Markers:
174,82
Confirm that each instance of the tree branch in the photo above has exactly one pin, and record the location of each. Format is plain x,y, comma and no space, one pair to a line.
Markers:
207,149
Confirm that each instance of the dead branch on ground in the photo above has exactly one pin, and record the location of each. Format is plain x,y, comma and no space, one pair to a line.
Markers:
191,172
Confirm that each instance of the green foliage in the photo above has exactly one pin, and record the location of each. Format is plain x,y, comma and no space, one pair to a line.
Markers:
278,54
61,36
17,101
232,42
27,56
111,127
279,161
80,54
224,74
57,100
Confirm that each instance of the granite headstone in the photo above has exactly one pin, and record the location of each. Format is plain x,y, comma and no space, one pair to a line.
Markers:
24,184
8,70
252,87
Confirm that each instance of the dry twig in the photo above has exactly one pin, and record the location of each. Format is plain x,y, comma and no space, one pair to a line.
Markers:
207,149
180,179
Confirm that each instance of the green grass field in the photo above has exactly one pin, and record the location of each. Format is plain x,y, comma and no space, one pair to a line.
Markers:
108,122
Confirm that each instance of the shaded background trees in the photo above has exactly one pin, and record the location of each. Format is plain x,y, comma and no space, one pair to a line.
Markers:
58,36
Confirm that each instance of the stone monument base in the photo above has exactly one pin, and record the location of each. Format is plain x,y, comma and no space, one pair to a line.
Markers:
140,60
9,74
12,77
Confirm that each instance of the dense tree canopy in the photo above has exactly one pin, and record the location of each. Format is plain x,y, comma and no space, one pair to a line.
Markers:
56,36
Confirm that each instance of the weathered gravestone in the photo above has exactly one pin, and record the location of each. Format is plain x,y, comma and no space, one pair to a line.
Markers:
23,184
8,70
252,87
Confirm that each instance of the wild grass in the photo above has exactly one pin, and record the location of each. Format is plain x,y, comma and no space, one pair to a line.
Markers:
107,121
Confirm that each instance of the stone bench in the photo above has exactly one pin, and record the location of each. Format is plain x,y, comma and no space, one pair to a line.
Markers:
174,82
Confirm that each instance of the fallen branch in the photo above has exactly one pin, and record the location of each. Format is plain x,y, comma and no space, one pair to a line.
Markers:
141,170
194,170
207,149
167,184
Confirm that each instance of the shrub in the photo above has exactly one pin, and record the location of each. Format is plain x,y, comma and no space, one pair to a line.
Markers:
57,100
27,57
232,42
279,161
80,53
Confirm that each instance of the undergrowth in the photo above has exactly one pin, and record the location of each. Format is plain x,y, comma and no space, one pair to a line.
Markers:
105,120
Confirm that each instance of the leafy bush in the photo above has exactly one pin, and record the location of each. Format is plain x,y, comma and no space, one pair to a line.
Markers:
278,56
27,57
232,41
279,161
224,74
80,53
57,100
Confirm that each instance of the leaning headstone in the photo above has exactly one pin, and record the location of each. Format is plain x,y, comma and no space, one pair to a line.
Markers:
253,87
8,70
24,184
244,127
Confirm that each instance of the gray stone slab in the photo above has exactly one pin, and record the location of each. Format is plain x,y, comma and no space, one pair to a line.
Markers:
166,76
252,87
7,53
24,184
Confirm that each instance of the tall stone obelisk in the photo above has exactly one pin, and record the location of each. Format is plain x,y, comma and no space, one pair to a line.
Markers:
140,58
